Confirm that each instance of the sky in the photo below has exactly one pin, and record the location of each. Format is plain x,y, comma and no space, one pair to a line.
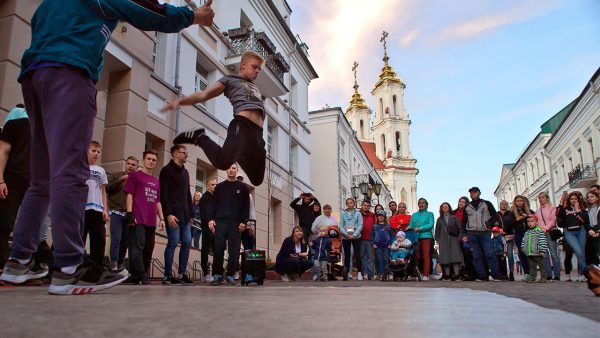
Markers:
481,76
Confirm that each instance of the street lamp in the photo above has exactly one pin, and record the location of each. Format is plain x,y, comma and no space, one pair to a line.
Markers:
362,186
355,192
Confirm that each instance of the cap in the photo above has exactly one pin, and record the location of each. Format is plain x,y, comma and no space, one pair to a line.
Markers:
534,217
496,229
380,213
474,189
401,234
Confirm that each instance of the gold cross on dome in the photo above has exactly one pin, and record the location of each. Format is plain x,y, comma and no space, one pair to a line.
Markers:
354,67
383,39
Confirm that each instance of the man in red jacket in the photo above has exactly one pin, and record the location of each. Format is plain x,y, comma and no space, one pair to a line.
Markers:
366,249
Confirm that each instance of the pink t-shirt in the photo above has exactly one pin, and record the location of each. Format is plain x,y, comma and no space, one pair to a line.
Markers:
146,191
546,217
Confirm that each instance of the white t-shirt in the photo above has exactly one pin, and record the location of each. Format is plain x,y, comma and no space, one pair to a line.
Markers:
94,183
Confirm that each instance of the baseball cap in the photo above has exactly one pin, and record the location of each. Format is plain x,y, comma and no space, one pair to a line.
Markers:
474,189
380,213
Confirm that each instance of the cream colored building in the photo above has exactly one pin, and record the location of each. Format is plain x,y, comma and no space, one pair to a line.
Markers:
144,69
564,156
339,162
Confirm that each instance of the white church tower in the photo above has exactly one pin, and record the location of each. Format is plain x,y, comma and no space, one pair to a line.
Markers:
390,132
359,114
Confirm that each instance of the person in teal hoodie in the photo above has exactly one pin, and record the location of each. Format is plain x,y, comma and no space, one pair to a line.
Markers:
422,221
58,75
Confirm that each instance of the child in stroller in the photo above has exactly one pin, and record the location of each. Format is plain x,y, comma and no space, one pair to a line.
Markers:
402,255
400,248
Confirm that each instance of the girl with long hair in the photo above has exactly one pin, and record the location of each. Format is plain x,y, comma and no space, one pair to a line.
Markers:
574,218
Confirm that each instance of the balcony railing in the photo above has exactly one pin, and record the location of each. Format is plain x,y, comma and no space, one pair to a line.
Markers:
582,175
243,39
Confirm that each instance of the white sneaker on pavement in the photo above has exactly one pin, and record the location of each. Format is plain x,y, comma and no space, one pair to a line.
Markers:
359,276
208,278
425,278
285,278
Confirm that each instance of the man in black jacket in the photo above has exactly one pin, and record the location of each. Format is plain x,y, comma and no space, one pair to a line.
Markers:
176,201
228,215
304,210
206,204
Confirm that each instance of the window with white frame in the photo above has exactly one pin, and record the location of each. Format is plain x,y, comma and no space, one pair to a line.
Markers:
200,80
200,179
343,151
271,141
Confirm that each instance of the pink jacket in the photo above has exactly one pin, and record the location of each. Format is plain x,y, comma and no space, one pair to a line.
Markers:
546,217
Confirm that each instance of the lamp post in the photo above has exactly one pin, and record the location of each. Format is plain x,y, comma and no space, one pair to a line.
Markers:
363,187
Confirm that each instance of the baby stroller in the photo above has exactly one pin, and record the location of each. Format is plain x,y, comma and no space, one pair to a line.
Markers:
335,257
411,266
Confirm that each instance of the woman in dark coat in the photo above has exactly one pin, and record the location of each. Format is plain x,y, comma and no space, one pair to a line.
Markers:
292,259
447,234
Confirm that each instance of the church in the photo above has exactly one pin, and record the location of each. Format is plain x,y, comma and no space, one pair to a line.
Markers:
384,132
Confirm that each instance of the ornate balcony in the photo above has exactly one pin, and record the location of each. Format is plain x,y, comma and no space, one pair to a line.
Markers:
270,81
582,176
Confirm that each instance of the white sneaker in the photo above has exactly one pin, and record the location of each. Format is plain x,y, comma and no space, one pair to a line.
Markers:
424,278
236,276
208,278
492,279
582,278
314,277
350,276
285,278
359,276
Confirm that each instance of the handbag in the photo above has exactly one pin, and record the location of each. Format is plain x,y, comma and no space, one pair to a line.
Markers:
555,233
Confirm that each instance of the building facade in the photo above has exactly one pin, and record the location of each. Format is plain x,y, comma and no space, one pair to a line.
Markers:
563,157
339,162
144,69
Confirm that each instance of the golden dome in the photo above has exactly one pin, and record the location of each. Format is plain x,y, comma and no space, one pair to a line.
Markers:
357,100
387,73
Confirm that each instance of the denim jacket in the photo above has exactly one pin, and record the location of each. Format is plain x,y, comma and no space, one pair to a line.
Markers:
351,223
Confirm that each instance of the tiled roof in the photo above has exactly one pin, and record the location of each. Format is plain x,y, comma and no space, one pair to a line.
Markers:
369,149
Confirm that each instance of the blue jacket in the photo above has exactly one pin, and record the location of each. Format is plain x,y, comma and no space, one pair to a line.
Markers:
322,247
375,234
75,32
351,220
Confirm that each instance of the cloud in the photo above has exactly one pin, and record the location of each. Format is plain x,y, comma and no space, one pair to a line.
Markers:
340,32
409,37
477,26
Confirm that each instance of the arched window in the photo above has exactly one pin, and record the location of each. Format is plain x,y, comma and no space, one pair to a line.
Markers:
381,106
398,144
362,129
403,195
383,146
395,105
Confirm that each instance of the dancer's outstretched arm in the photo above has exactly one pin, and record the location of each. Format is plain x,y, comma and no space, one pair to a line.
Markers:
150,15
199,97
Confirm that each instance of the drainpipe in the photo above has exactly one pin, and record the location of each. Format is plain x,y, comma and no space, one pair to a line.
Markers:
177,85
552,187
337,136
289,105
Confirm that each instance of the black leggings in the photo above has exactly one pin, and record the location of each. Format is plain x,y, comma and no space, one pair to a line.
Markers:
244,144
355,243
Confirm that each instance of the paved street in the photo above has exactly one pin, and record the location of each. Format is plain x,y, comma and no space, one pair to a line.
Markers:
303,309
